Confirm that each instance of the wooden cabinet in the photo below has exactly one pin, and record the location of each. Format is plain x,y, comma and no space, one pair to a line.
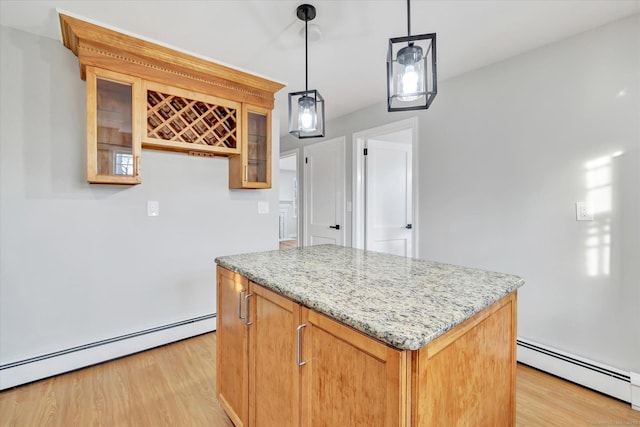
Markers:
280,363
303,369
468,375
349,379
252,168
113,127
274,375
232,382
187,104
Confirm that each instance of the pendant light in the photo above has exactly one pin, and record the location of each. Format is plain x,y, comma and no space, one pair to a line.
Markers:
411,70
306,108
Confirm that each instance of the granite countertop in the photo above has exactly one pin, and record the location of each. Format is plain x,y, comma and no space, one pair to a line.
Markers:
403,302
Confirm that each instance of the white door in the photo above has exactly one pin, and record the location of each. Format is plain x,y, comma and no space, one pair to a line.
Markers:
324,193
388,192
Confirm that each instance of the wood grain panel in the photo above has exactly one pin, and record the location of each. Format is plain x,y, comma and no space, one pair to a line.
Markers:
232,370
467,377
348,380
274,374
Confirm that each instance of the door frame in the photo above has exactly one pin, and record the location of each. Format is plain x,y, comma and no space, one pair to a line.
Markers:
343,141
358,179
299,164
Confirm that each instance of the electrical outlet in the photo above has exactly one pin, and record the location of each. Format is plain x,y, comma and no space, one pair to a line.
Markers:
584,211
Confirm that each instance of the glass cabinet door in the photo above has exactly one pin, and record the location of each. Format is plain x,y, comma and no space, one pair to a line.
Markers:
113,127
256,150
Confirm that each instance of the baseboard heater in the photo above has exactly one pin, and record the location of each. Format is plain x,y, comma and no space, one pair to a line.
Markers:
596,376
46,365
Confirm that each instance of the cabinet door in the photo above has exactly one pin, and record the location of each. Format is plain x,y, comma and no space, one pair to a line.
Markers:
232,347
350,379
113,127
274,376
252,168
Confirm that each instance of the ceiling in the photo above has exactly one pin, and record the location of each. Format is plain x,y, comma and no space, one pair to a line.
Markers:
347,62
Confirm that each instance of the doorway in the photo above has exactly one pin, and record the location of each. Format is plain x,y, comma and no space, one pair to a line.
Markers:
385,189
288,223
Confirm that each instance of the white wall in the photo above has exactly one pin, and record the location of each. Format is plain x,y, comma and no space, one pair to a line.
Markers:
506,150
81,263
510,148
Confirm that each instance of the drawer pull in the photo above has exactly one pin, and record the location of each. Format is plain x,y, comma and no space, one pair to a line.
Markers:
246,310
240,316
298,345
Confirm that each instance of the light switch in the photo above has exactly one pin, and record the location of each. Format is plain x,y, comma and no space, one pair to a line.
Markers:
153,208
263,207
584,211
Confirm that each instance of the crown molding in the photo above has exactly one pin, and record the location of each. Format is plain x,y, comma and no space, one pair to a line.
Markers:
106,48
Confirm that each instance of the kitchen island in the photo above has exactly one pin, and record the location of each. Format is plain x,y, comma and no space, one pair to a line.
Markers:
328,335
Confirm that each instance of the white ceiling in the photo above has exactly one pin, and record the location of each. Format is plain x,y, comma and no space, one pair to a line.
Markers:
347,63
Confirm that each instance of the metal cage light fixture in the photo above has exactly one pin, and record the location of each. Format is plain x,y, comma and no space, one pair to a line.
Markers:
411,70
306,108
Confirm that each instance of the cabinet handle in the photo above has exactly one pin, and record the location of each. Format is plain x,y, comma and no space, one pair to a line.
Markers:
240,316
137,165
246,173
246,310
298,346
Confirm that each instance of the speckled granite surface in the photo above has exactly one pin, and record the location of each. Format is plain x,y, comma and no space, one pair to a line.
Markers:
403,302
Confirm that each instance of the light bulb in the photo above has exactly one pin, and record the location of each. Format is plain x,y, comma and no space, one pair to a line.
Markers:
410,80
307,118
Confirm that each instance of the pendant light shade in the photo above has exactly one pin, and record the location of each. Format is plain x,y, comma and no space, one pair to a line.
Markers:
306,108
411,70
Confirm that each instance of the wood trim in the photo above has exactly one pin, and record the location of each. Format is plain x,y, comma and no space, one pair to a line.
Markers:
513,339
346,333
102,47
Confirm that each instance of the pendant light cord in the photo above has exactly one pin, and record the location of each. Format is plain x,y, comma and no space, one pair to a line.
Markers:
306,53
409,18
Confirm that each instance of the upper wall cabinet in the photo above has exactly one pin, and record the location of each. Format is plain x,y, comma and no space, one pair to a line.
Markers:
113,135
143,95
252,169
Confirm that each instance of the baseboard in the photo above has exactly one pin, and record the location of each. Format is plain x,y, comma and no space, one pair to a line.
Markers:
47,365
596,376
635,390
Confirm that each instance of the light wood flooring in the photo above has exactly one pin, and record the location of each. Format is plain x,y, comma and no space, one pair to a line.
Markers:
174,385
286,244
